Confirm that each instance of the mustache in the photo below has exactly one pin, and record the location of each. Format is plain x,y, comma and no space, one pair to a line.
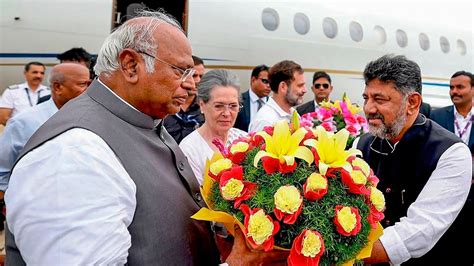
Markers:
456,95
376,116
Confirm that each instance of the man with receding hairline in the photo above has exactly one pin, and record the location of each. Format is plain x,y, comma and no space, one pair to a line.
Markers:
424,170
118,188
67,81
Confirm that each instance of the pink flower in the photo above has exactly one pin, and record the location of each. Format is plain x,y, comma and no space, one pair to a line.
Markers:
329,126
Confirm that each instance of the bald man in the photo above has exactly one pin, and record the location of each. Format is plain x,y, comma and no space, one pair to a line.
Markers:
118,190
67,81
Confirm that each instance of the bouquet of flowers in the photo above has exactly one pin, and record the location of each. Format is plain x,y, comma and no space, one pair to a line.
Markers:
336,116
297,188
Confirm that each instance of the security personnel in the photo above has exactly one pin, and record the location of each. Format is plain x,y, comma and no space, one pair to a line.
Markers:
20,97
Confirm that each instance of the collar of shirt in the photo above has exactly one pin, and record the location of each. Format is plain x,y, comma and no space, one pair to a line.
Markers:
272,104
254,98
41,87
316,105
117,95
458,116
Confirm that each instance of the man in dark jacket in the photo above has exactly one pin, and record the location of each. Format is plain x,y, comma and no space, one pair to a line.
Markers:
189,117
322,89
424,170
255,98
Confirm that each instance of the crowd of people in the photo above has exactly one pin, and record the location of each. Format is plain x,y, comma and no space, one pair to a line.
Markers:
113,176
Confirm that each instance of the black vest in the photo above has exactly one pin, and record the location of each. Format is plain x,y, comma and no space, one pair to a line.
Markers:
162,231
404,171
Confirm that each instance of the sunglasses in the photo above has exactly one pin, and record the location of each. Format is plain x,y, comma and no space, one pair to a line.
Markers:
264,81
318,86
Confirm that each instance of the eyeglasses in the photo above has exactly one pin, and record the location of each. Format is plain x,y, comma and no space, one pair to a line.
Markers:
318,86
220,107
185,73
264,81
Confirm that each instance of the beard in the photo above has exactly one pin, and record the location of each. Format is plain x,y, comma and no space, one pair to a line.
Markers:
385,131
293,100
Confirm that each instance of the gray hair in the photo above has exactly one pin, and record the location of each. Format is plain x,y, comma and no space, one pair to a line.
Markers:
216,78
398,69
56,76
133,35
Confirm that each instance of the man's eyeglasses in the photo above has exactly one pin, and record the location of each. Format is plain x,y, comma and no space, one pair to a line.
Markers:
264,81
318,85
185,73
220,107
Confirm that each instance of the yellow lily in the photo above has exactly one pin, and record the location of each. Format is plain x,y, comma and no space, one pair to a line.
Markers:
284,145
327,104
330,148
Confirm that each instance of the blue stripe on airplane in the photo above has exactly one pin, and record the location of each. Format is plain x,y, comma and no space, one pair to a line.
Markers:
436,84
31,55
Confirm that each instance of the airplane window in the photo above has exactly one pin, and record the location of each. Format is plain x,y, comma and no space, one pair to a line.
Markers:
356,31
444,43
330,27
380,35
301,23
402,38
461,47
270,19
424,41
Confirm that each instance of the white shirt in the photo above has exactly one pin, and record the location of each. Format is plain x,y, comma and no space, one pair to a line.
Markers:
17,132
268,115
316,105
197,151
70,202
435,208
20,97
464,123
254,103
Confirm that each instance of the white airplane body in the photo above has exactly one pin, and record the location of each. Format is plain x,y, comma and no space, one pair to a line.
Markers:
339,37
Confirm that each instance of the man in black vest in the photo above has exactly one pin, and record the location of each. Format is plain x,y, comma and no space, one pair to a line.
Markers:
424,170
102,182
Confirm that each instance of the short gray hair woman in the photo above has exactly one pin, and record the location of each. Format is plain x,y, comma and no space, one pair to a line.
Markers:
219,100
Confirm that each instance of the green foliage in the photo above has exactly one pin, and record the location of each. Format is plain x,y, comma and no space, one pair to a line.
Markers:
316,215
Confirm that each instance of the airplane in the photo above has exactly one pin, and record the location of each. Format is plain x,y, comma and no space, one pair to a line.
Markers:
339,37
